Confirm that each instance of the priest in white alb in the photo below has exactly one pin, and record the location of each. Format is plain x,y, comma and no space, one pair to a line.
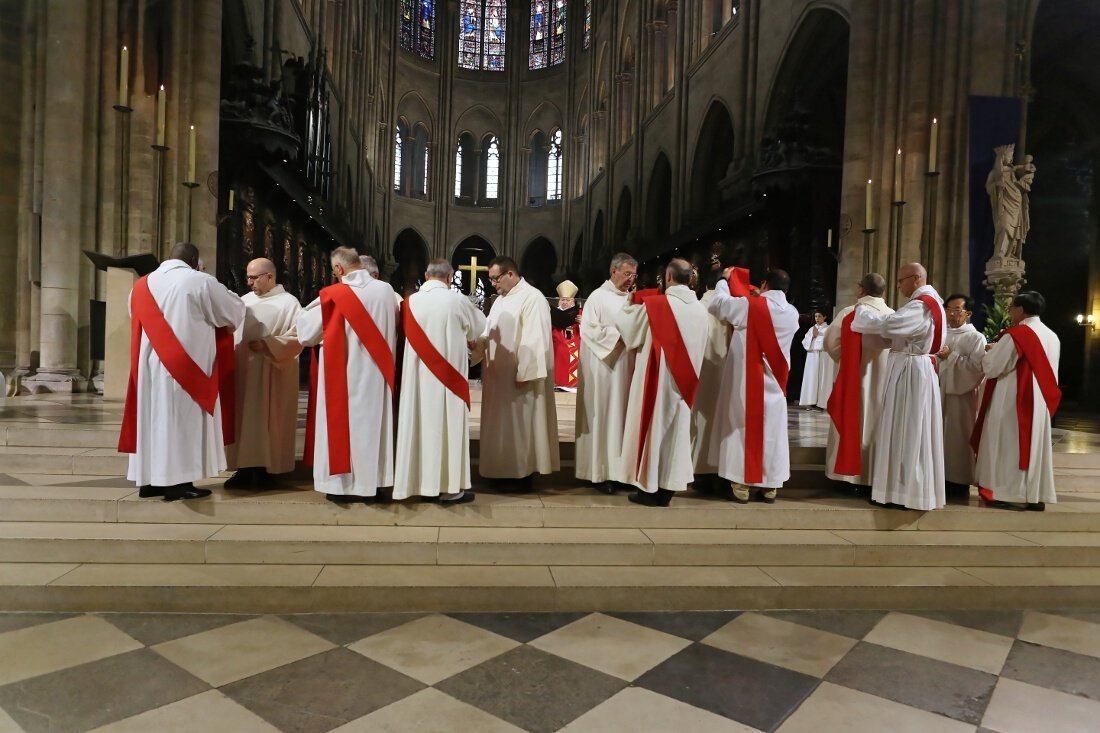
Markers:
174,427
267,381
351,425
704,415
669,331
433,429
519,419
856,397
908,454
961,377
1015,466
604,381
752,445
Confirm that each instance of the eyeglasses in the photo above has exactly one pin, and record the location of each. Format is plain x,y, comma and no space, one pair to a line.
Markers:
903,279
497,278
956,310
256,277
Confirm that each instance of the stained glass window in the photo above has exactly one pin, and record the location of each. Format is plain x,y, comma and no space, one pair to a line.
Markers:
458,170
492,170
547,33
481,34
553,167
587,23
398,160
418,27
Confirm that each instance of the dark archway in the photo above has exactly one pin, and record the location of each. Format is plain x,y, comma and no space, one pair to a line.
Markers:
713,155
538,264
469,249
599,238
658,206
623,212
410,253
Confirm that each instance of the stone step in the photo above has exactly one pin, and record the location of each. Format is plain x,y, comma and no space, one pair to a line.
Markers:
457,588
100,542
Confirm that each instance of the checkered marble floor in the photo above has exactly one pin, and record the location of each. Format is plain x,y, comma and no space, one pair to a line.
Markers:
787,671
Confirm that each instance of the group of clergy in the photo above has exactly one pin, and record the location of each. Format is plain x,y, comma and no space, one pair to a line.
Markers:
672,389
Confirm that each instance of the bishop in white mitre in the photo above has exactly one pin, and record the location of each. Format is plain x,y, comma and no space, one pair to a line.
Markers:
352,430
604,381
1015,461
669,331
173,430
519,420
870,381
751,440
433,429
908,453
961,377
267,380
704,415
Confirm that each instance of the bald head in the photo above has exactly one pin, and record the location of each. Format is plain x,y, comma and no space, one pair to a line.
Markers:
678,272
186,252
260,273
911,277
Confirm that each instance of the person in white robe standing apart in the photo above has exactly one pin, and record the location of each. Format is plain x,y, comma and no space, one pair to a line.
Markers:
356,319
908,452
603,384
1015,463
267,381
961,377
433,429
816,376
182,328
519,419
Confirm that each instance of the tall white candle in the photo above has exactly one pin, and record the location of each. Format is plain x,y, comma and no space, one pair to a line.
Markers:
933,146
868,216
829,240
124,78
899,177
161,96
232,199
191,155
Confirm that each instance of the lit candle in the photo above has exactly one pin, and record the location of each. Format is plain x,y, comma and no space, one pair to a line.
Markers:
231,199
869,217
124,78
933,146
899,177
191,156
161,97
829,240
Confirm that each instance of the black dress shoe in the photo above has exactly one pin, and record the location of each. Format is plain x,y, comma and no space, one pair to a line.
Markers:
183,492
464,497
664,497
1036,506
644,498
605,487
244,478
148,491
342,498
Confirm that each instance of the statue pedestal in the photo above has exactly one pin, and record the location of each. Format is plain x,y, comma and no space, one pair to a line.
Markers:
1005,275
116,347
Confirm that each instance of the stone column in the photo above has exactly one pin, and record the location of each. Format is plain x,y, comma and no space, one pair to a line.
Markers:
11,79
205,61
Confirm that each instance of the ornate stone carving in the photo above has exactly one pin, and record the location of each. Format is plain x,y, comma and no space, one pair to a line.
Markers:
1009,188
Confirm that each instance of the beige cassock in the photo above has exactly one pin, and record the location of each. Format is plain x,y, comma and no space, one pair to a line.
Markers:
873,367
961,378
666,459
519,420
370,402
908,453
177,441
998,463
602,387
705,413
433,428
267,385
729,439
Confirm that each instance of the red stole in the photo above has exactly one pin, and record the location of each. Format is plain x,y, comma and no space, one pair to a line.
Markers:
340,305
760,344
1031,361
667,340
204,389
436,363
846,401
934,308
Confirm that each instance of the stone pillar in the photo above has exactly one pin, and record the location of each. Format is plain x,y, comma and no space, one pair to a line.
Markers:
11,79
205,60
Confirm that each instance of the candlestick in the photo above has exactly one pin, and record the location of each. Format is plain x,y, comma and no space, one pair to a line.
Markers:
191,154
934,146
161,96
869,216
124,78
899,177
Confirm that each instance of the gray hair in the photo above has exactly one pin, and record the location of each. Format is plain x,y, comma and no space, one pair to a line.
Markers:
369,264
345,257
873,284
678,271
439,268
620,259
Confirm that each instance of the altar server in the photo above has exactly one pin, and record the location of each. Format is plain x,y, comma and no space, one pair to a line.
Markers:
961,377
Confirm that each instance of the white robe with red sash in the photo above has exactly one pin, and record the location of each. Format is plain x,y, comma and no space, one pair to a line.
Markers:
433,429
666,460
177,441
873,368
732,429
370,400
602,387
705,413
998,465
267,383
908,452
961,379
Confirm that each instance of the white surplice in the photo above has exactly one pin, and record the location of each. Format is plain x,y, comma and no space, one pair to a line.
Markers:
603,386
433,429
816,367
666,459
729,438
908,453
874,365
177,441
704,415
998,464
961,377
519,419
267,383
370,402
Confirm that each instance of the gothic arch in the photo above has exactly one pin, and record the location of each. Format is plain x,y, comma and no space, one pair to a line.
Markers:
538,264
623,213
658,209
713,155
410,254
473,245
545,117
478,120
414,109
